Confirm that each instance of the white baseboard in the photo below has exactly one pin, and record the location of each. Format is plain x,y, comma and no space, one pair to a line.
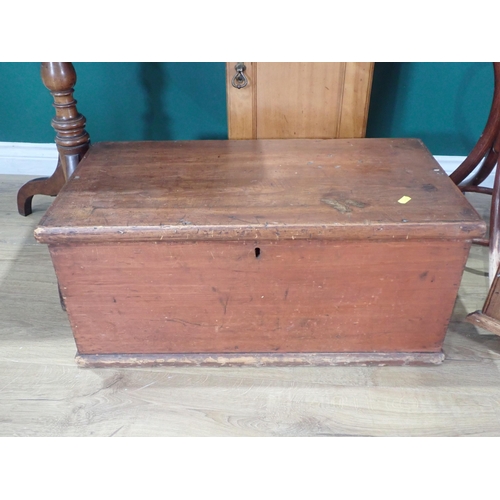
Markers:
40,159
25,158
450,163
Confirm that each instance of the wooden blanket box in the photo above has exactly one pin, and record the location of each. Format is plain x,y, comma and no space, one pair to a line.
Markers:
259,252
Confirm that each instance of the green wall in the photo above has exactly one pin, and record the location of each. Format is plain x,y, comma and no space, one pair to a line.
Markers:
445,104
121,101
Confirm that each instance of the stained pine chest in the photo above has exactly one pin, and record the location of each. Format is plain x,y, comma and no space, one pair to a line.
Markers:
259,252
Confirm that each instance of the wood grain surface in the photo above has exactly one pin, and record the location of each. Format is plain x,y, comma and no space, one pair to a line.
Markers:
44,393
322,100
241,104
298,296
269,189
260,360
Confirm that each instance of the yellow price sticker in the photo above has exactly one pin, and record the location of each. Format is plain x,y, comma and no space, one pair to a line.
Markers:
403,200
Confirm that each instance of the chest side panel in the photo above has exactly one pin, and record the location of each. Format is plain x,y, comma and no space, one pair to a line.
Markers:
283,296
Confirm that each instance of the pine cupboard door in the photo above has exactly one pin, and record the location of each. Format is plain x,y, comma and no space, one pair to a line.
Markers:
298,100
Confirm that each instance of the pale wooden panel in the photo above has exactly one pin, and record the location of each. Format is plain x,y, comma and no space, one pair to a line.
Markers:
356,99
241,118
300,100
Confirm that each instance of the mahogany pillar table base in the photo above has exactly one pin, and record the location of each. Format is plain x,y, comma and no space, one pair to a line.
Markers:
48,186
72,140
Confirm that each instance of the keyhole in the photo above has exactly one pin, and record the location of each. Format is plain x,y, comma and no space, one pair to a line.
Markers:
257,252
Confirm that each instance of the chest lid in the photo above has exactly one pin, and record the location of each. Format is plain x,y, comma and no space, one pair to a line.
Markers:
259,189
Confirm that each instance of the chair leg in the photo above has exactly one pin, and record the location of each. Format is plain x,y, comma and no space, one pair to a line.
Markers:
488,147
489,317
494,234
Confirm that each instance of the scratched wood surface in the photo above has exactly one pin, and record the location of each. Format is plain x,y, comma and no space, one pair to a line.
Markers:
44,393
298,296
270,189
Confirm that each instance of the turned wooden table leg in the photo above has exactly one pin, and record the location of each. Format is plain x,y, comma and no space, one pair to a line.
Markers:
72,139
